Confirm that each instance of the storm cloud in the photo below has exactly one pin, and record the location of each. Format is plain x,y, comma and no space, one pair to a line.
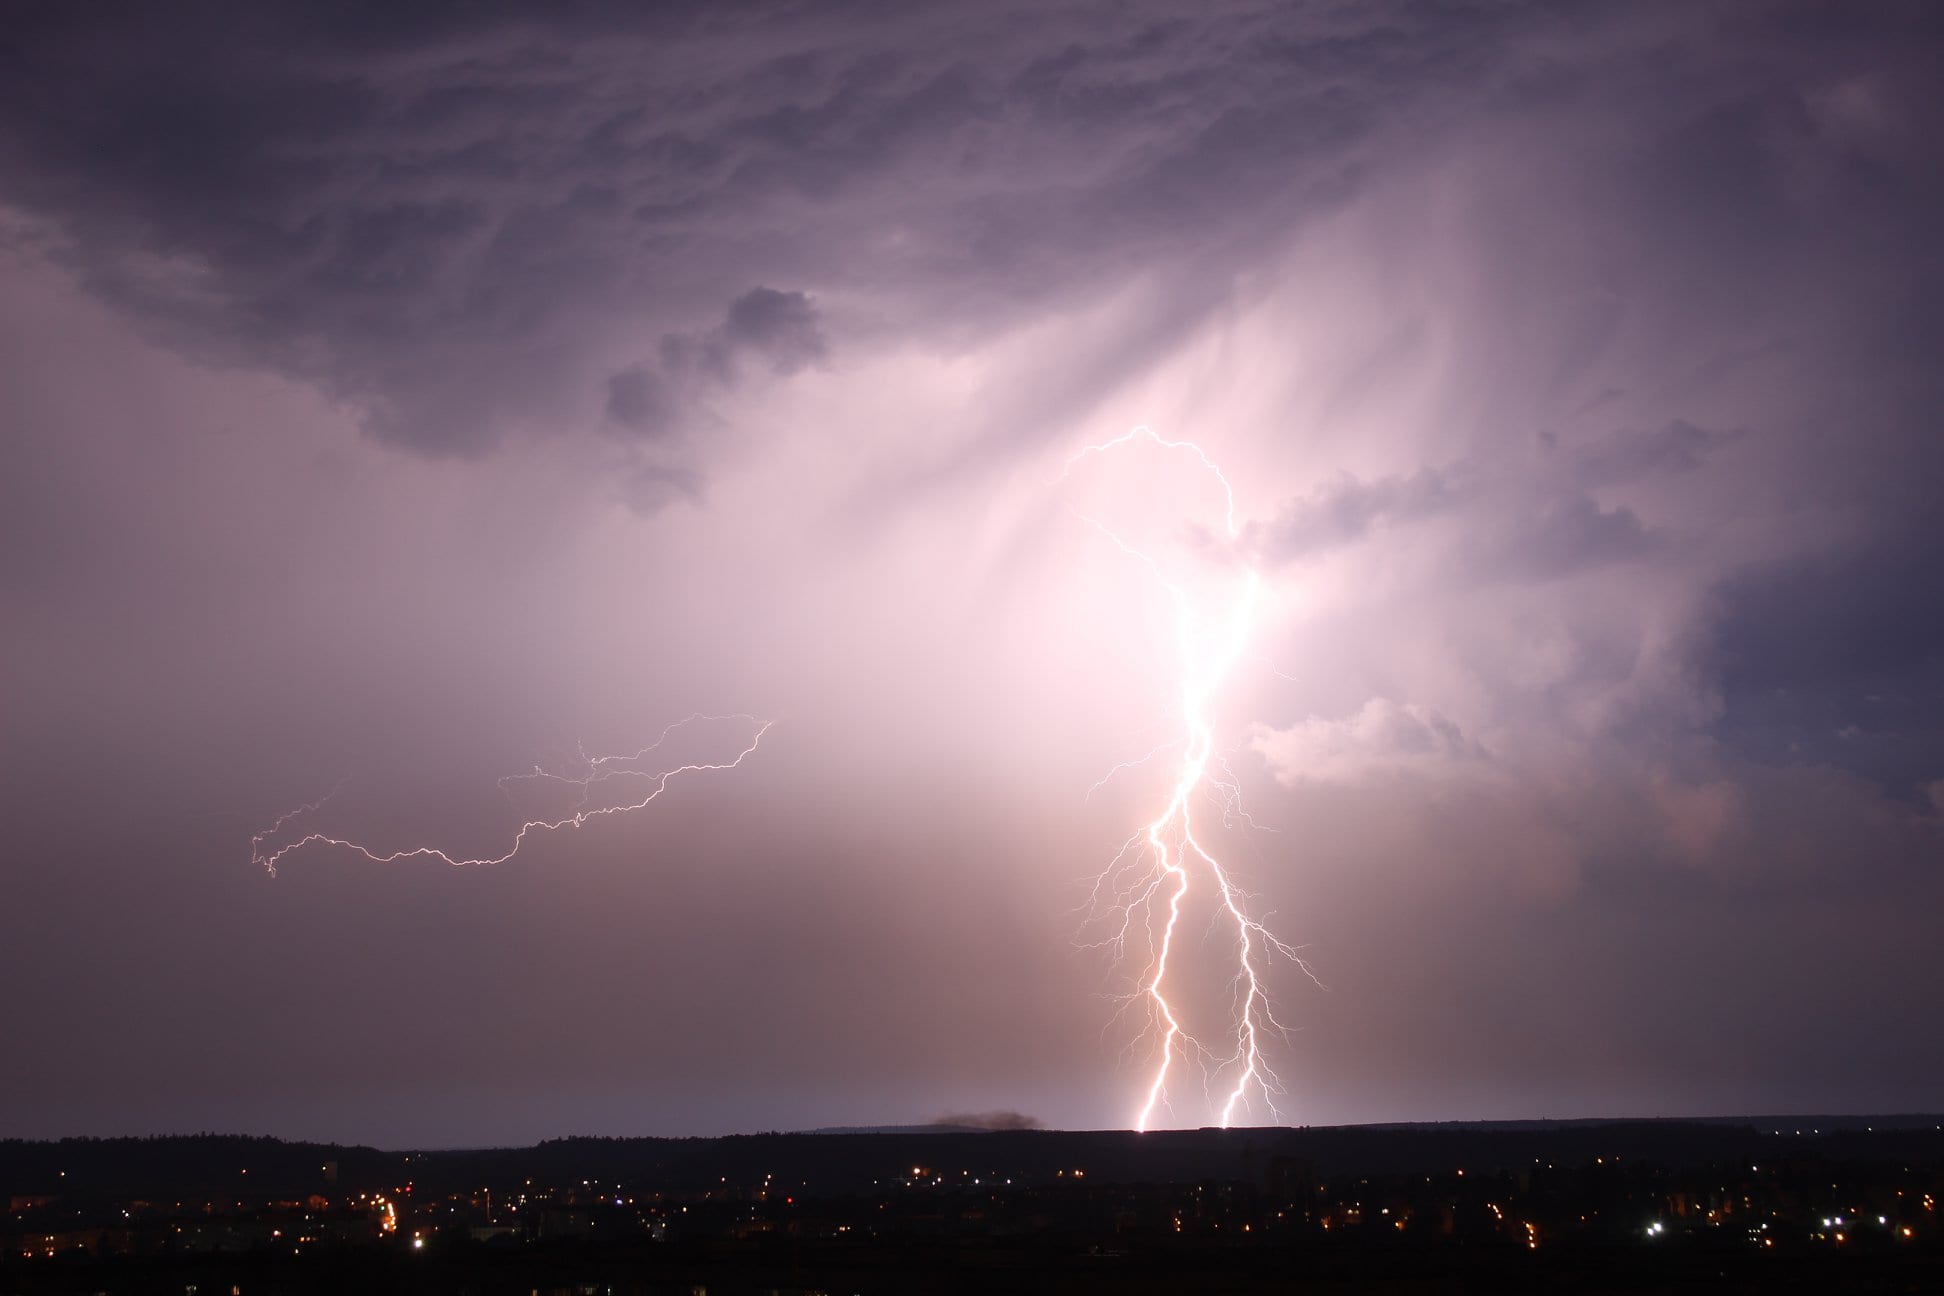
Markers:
410,393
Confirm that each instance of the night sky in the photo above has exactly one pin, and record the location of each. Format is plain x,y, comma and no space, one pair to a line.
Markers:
409,395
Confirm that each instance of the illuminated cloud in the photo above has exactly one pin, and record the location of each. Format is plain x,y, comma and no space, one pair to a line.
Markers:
1383,739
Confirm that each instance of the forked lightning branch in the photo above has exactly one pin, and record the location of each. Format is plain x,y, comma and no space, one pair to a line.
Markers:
1141,894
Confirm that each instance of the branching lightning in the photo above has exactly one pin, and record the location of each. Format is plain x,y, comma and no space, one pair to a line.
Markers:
1139,897
645,782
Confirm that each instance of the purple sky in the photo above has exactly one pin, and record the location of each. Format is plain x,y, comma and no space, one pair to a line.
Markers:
413,398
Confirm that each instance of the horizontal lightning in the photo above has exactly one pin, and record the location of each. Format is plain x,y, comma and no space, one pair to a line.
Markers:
595,771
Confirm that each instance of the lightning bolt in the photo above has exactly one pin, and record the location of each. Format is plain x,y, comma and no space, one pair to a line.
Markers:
593,772
1149,878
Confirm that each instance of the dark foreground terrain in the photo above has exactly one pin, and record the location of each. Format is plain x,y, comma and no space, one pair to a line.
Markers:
1795,1204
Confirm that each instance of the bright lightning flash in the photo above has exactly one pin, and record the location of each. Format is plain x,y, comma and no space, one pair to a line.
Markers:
1140,896
644,781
